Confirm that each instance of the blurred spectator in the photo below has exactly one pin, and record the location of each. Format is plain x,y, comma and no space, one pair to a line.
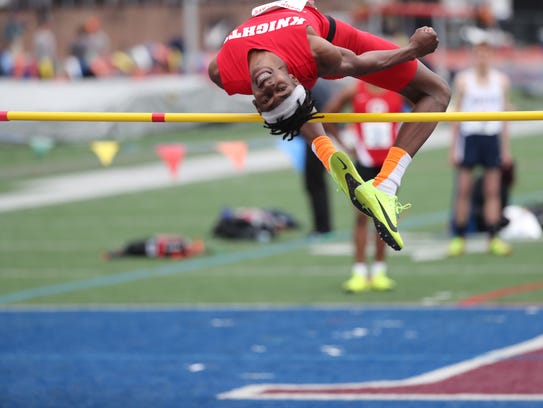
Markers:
5,59
480,144
484,15
76,63
177,47
477,222
315,174
45,48
13,32
89,53
12,58
97,48
216,34
78,47
372,142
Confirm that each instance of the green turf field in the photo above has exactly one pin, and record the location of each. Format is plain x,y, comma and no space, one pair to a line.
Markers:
18,162
44,247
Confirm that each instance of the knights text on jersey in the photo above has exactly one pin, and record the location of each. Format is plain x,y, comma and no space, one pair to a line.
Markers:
281,31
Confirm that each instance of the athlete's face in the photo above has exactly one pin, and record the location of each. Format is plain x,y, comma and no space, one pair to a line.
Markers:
271,86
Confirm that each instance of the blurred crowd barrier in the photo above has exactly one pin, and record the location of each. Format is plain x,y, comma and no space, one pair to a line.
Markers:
46,48
76,39
181,93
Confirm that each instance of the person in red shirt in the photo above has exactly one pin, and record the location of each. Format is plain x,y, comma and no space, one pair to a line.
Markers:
369,148
278,55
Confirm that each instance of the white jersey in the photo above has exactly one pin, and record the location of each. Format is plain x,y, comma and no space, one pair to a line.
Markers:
482,97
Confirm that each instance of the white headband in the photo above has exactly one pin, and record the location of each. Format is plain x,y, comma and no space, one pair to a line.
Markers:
287,108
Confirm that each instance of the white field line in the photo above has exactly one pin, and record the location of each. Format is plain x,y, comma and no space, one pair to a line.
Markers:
109,182
440,374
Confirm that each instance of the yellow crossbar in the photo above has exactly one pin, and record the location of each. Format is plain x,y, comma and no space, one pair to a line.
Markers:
255,118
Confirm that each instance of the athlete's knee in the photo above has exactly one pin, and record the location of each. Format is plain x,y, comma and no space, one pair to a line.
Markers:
427,85
439,91
442,93
492,189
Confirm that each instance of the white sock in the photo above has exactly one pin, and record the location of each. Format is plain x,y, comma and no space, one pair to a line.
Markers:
361,269
378,267
391,184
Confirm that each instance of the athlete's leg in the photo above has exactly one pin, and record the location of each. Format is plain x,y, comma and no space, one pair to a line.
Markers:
336,162
492,211
379,275
464,184
461,210
492,163
378,270
380,249
360,274
491,191
360,238
383,210
317,192
428,92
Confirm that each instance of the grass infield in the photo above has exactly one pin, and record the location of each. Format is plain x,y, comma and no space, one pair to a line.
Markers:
58,245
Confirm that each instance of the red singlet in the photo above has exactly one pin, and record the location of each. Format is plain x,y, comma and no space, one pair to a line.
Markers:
284,32
375,139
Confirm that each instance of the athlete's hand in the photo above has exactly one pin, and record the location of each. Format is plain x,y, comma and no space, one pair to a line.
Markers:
424,41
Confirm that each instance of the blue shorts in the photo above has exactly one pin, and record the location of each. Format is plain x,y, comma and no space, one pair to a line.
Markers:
480,150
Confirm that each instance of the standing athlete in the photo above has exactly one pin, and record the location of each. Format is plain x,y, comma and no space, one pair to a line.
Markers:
278,55
372,141
480,88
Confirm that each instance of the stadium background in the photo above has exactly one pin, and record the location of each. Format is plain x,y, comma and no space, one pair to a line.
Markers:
78,331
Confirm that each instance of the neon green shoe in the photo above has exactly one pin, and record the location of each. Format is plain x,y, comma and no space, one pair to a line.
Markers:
499,248
381,282
356,284
345,175
456,247
384,210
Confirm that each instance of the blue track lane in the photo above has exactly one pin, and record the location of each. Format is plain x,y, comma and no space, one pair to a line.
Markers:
185,358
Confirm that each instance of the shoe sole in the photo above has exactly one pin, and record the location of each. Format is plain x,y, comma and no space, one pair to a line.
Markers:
500,253
352,291
343,169
386,236
383,289
381,228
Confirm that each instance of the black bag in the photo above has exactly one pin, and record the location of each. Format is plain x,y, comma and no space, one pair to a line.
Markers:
252,223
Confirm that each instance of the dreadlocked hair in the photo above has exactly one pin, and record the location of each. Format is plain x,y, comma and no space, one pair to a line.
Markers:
290,127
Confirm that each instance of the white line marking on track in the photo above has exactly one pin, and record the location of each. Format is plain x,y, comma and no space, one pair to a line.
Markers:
440,374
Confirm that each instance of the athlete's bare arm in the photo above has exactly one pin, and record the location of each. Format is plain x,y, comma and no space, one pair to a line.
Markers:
213,72
337,61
